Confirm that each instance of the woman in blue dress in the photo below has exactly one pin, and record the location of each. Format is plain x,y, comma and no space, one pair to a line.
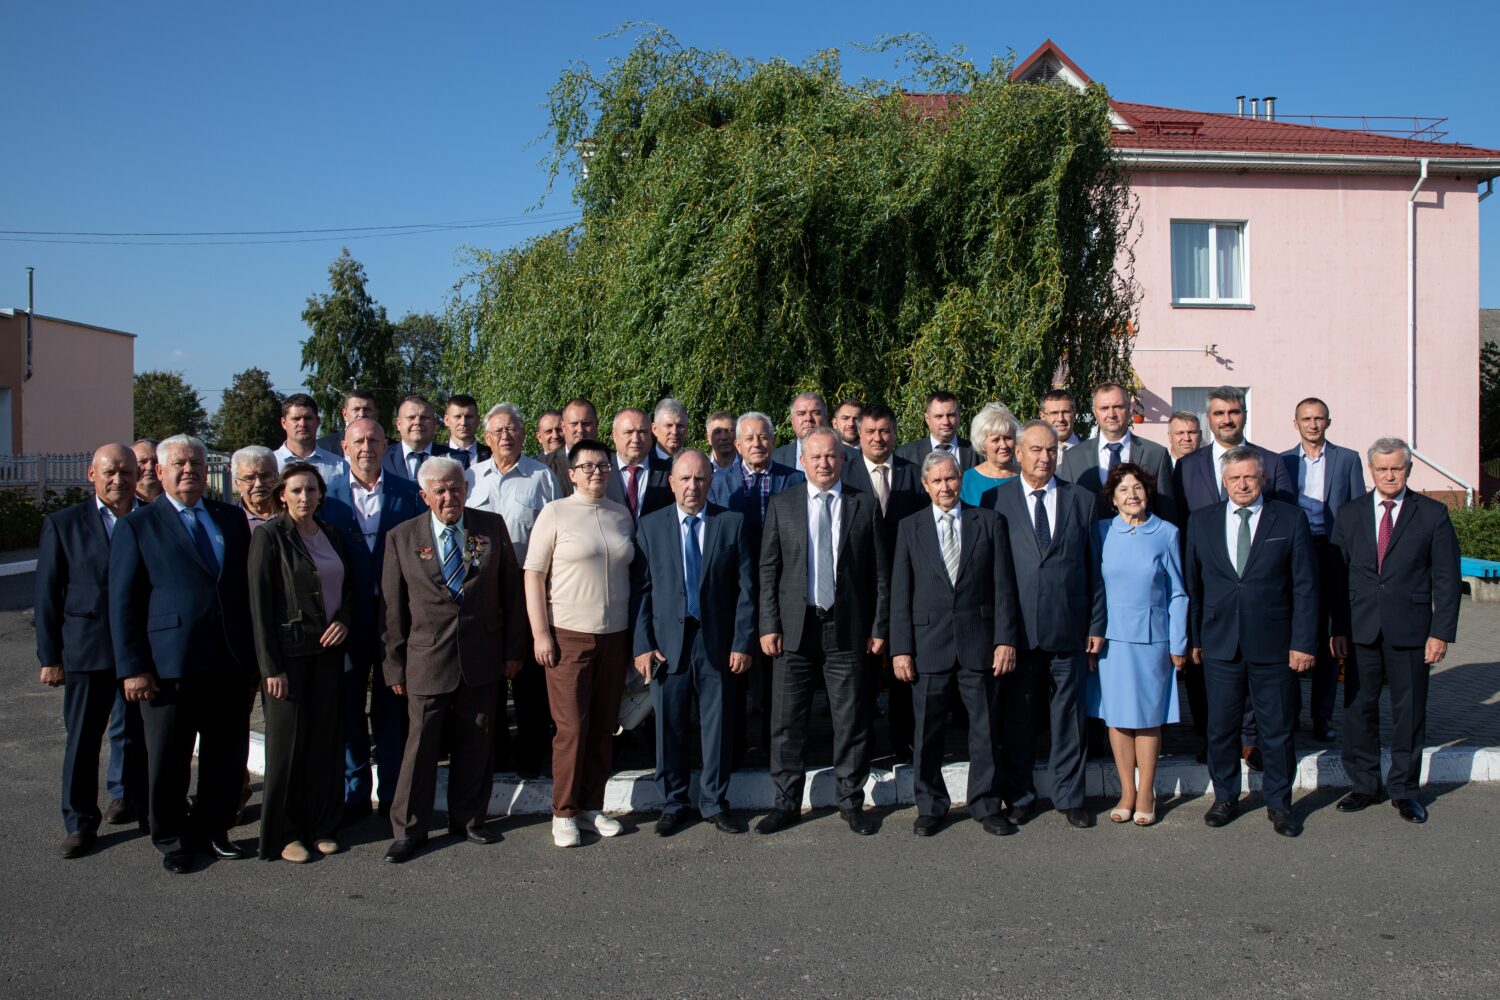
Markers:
993,432
1133,687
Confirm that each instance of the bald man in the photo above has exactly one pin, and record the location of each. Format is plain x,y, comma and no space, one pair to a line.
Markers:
73,647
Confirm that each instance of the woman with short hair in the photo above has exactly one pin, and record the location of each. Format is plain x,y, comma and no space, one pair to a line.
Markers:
993,431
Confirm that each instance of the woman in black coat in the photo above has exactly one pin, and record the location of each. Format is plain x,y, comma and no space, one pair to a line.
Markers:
301,597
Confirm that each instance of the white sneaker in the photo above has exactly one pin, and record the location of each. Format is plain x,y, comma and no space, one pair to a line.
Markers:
604,826
565,831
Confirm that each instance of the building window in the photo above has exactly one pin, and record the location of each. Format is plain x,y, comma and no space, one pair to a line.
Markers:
1209,264
1194,399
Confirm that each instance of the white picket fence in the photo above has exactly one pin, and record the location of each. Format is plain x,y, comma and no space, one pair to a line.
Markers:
37,473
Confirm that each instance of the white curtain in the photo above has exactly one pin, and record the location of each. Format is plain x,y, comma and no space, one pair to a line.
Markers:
1190,260
1228,262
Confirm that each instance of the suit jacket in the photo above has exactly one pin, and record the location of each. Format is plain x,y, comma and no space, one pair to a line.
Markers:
462,457
432,641
393,462
861,596
1343,476
728,491
400,501
787,455
1081,466
1061,593
1197,480
557,461
907,495
726,592
332,442
286,594
1415,592
1273,608
915,451
72,591
656,483
943,623
170,613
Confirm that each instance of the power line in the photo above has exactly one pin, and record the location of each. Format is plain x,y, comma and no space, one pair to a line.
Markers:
351,233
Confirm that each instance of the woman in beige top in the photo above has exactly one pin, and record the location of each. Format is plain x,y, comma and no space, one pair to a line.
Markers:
578,600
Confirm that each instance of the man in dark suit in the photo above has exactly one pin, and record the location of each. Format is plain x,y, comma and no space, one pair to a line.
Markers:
823,604
1253,582
807,411
580,422
179,614
461,417
669,427
1049,524
416,422
846,420
455,624
897,485
693,609
359,404
1089,464
1326,477
549,431
954,624
941,416
73,645
638,479
364,506
1399,590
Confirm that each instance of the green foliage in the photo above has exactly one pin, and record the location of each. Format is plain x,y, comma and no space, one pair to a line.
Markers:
250,413
352,343
1478,530
750,229
418,342
21,515
1489,401
165,404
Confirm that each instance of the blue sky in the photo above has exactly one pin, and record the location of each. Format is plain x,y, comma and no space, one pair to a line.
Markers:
168,117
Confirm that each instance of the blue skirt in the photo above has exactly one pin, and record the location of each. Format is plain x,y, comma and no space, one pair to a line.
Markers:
1135,686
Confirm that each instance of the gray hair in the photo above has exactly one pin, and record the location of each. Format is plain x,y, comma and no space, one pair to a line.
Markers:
750,416
252,454
1388,446
936,458
993,418
1185,416
439,467
1228,394
687,452
509,409
1028,425
669,405
180,441
1244,453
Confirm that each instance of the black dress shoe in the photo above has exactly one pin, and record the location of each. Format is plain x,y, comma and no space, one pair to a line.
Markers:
669,823
858,821
1411,810
227,850
1355,801
998,825
926,826
1203,756
778,819
1220,813
1080,818
1018,815
118,813
402,851
76,845
1283,822
1322,733
475,833
725,823
178,862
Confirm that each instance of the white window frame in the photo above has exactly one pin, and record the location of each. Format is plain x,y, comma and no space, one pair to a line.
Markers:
1214,300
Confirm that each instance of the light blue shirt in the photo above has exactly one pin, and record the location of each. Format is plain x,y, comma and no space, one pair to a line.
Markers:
215,536
518,495
438,527
329,465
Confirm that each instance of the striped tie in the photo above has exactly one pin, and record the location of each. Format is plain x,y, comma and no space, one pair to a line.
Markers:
950,548
453,564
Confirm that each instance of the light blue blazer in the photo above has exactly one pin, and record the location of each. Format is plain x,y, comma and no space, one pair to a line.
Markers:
1143,584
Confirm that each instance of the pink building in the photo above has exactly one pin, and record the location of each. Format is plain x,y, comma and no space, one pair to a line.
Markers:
73,389
1295,260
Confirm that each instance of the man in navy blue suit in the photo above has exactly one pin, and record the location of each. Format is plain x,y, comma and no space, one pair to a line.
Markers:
416,423
693,610
1253,582
73,646
179,612
1326,477
364,507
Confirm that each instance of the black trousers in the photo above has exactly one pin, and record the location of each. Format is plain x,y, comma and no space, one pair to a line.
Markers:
303,794
900,721
751,694
1056,680
88,704
1269,688
1324,679
1404,670
468,713
531,750
794,680
979,690
208,707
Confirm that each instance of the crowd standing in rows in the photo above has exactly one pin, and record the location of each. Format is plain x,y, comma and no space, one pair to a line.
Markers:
386,599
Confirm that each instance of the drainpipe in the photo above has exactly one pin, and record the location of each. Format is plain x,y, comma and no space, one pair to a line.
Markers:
30,309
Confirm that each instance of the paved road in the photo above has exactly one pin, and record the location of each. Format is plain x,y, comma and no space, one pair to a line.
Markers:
1366,906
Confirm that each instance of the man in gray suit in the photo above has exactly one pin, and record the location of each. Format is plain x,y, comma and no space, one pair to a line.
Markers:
1089,464
808,411
1050,527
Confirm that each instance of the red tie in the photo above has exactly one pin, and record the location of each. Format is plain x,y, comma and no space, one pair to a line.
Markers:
632,488
1383,540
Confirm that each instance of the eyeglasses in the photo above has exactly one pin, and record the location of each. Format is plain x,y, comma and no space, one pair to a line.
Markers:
592,468
259,477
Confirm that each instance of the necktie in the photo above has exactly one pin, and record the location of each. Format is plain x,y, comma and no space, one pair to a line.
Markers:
200,538
1114,456
1383,540
1042,526
1242,541
692,566
950,548
453,563
632,487
944,448
823,594
882,486
415,460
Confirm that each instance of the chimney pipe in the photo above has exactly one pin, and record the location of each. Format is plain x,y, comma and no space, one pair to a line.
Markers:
1270,109
30,308
1239,105
1255,107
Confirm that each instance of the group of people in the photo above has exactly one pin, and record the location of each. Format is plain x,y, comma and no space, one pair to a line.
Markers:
397,594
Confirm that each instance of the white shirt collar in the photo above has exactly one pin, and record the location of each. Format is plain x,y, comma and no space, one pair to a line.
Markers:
180,506
938,512
407,451
1051,486
836,489
1254,507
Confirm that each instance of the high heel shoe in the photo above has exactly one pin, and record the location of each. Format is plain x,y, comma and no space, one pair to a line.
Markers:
1121,814
1145,819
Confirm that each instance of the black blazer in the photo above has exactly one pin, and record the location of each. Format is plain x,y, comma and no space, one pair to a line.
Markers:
286,595
907,495
861,585
72,591
916,451
1415,593
1269,611
1081,466
946,625
1196,480
393,462
656,484
1061,592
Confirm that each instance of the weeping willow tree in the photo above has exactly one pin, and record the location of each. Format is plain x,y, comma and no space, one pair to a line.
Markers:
750,229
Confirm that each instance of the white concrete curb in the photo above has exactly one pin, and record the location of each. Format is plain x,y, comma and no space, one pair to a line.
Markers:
636,791
18,568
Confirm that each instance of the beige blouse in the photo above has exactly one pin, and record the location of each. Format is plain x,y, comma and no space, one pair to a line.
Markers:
584,546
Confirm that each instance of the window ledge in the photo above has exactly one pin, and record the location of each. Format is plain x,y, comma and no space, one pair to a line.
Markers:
1212,305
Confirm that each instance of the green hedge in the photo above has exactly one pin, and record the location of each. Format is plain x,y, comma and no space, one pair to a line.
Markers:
1479,531
21,515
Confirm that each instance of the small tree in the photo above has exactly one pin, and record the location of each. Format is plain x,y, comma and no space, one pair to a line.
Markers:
165,404
418,342
352,342
249,414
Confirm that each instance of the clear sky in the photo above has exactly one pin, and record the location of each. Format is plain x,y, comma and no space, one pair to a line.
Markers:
177,117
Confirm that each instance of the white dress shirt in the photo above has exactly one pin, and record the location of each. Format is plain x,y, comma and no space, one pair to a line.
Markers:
517,494
950,447
407,451
329,465
1400,500
815,511
1232,524
1313,474
472,450
682,531
640,483
1049,501
958,520
1124,451
109,516
890,474
367,503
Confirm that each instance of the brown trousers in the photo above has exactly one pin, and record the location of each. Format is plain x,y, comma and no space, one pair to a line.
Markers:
584,690
469,715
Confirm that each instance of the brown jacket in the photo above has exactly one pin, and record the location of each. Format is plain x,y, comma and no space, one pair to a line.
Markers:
432,641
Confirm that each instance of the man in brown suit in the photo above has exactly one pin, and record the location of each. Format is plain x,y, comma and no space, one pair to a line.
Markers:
455,623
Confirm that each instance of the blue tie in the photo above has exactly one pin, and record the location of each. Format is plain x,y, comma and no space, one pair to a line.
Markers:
692,569
1042,526
453,564
1114,455
201,539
